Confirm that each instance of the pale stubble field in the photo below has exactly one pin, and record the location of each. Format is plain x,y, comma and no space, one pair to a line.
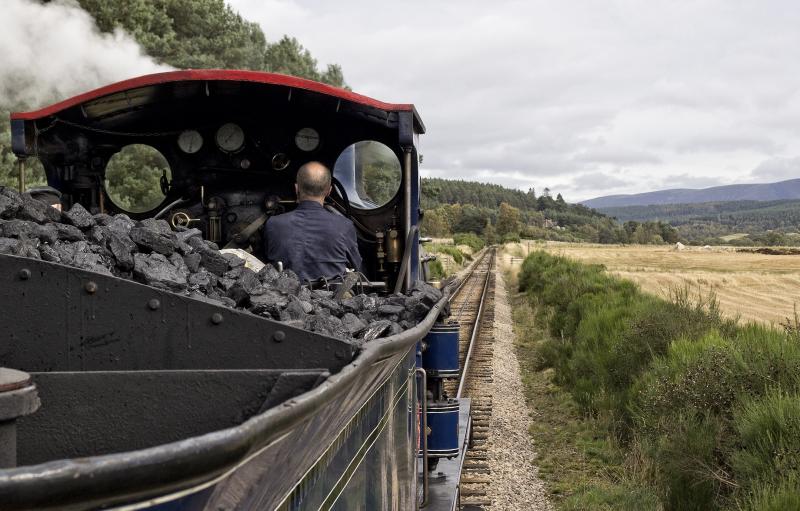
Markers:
757,287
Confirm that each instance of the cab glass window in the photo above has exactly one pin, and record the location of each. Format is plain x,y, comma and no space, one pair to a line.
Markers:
136,178
370,173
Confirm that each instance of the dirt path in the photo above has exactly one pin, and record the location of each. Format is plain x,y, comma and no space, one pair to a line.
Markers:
514,478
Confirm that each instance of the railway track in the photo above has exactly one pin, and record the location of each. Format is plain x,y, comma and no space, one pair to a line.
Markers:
472,305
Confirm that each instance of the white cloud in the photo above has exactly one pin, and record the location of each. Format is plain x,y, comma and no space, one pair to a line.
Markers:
54,51
777,169
539,93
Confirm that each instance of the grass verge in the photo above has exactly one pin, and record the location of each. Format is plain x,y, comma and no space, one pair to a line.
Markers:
644,403
582,467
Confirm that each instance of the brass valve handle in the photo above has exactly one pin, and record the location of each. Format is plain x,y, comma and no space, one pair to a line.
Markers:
182,219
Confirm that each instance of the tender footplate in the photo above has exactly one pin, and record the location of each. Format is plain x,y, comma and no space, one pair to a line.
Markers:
66,319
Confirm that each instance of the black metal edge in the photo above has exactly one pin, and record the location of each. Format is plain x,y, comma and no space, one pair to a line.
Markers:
130,476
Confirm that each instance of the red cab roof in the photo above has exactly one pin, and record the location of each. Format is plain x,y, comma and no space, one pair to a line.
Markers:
218,75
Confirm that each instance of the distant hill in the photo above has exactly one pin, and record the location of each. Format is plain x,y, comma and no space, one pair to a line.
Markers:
767,214
746,192
708,222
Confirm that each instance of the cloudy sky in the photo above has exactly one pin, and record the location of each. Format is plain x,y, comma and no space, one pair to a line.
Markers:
586,97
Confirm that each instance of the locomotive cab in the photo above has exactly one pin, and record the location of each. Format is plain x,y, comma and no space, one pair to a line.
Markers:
219,151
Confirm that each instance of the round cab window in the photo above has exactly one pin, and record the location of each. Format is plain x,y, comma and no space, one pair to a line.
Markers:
370,173
134,178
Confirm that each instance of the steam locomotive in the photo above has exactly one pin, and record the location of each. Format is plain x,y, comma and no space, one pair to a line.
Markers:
154,400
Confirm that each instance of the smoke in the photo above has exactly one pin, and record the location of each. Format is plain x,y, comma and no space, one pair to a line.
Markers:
49,52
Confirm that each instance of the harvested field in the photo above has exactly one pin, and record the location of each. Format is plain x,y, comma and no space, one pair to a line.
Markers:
756,287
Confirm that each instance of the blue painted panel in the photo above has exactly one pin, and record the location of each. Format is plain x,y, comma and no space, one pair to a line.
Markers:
443,425
440,358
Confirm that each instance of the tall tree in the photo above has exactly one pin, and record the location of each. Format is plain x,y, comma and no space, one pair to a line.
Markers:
207,34
508,220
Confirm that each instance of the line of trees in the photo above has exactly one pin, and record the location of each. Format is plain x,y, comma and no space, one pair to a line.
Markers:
503,214
714,223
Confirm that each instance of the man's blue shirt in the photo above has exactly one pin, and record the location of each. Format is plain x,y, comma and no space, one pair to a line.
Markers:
312,242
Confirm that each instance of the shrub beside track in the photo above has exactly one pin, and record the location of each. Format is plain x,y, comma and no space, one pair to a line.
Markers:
708,410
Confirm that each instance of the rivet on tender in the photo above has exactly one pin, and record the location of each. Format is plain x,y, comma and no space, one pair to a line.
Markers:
154,304
24,274
216,318
90,287
279,336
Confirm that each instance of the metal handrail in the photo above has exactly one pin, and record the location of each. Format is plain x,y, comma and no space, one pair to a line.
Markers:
404,265
424,435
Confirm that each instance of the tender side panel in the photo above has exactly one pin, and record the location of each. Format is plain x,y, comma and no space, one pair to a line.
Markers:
93,413
65,319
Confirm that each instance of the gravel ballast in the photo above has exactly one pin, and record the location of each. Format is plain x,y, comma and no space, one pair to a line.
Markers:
181,261
515,483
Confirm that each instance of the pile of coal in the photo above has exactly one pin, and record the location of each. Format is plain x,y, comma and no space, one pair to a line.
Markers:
150,252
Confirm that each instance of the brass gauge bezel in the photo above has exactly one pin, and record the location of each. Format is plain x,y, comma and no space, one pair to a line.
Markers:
280,161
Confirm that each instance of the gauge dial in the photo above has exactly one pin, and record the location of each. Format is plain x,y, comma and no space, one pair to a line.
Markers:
230,137
190,141
280,161
307,139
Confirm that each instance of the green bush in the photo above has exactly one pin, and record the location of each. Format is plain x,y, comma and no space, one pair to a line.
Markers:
469,239
435,270
511,237
773,358
781,497
769,438
689,470
695,377
712,406
454,252
612,497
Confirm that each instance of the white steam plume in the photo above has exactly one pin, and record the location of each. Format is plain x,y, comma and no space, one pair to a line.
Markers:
50,52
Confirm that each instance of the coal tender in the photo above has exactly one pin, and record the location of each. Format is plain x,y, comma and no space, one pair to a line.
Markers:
148,360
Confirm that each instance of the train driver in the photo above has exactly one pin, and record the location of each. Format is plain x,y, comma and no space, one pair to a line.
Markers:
310,240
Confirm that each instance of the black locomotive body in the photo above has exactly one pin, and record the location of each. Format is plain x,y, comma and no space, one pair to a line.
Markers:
154,400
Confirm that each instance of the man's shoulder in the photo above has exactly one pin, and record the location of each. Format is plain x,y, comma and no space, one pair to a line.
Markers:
340,221
278,221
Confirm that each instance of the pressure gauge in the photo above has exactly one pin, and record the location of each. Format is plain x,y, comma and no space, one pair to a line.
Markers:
307,139
280,161
190,141
230,137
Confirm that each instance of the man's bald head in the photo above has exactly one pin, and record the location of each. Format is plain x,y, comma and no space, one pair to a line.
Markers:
313,181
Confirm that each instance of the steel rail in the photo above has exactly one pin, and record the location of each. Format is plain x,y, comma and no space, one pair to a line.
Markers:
461,284
475,329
